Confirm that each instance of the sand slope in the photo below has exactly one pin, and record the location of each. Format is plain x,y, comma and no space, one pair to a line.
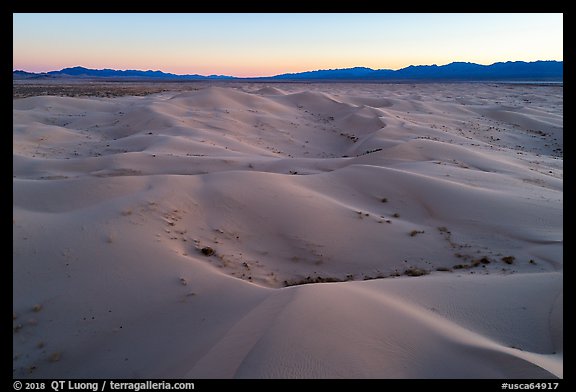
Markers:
290,231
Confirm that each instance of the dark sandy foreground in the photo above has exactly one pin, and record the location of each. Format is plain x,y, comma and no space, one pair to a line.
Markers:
78,88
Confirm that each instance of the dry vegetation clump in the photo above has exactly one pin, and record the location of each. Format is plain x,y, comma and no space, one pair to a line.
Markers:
484,260
207,251
413,233
310,279
413,271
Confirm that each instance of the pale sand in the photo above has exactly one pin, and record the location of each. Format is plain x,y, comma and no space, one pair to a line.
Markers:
114,199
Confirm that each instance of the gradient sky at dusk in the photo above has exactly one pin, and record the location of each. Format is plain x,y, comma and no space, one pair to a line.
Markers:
271,44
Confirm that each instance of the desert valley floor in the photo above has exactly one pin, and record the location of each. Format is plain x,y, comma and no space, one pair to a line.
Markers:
290,230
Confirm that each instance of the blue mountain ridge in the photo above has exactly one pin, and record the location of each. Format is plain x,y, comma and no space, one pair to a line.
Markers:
510,70
112,73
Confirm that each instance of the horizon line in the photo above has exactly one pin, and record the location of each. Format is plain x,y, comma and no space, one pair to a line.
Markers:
294,72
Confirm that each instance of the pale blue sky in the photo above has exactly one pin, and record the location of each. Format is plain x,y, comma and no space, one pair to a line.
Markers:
269,44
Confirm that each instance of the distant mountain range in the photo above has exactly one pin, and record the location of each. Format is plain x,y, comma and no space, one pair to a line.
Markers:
457,71
81,72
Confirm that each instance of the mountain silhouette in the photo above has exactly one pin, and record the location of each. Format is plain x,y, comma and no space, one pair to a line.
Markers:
456,71
112,73
511,70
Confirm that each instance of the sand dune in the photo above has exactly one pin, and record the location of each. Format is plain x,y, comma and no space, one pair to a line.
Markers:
290,231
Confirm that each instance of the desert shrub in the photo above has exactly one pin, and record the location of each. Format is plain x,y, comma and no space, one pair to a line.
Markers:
309,279
207,251
415,272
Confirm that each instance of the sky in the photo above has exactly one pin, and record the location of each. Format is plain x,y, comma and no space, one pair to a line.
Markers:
262,44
